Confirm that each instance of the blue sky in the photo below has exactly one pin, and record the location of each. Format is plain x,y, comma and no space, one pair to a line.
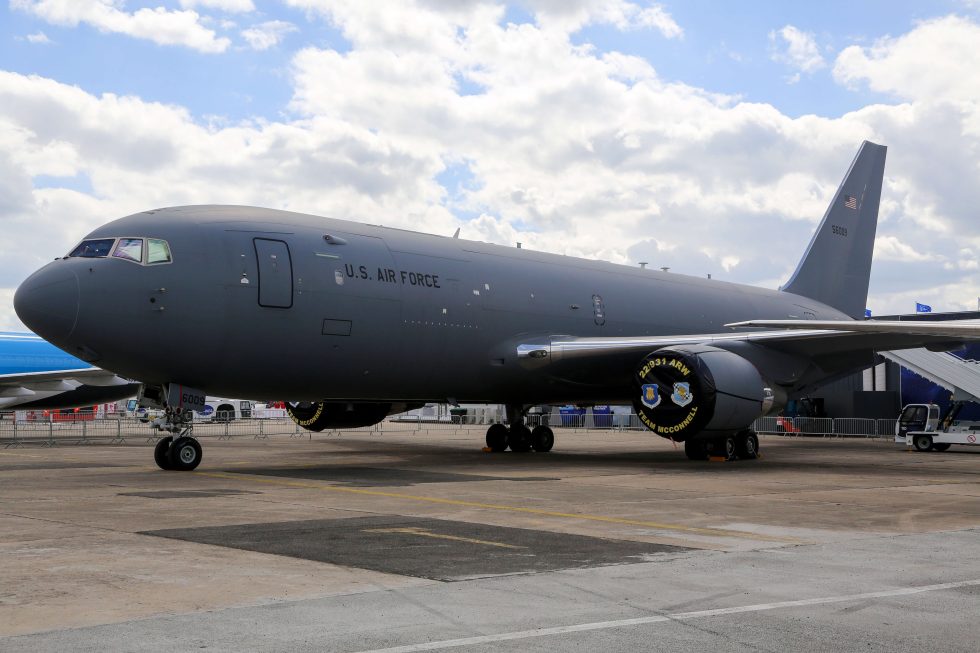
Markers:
703,136
235,85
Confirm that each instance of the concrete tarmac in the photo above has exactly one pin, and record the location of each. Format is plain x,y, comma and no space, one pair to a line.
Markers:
402,542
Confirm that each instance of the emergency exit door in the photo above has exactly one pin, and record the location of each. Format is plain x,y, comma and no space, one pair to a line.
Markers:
275,273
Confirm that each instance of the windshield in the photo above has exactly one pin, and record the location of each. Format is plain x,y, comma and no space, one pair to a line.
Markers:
157,251
913,414
98,248
130,249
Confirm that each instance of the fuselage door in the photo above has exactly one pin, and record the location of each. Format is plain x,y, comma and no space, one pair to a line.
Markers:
275,273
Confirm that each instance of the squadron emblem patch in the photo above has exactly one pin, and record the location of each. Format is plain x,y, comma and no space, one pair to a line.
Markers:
682,394
650,395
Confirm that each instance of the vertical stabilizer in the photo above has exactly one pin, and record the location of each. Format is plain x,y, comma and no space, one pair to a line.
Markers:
836,267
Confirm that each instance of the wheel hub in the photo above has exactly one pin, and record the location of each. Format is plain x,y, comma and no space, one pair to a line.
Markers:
187,454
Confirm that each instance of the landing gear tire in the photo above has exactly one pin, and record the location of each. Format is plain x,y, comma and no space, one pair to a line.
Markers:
695,450
922,442
728,447
185,454
941,446
519,438
161,453
747,445
497,438
542,439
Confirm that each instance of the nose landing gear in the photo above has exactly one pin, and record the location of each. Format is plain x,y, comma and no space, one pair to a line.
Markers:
180,451
519,438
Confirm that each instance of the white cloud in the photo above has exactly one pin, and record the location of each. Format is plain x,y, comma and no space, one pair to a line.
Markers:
39,38
564,148
8,319
891,248
572,15
158,25
797,49
416,17
140,154
938,60
265,35
230,6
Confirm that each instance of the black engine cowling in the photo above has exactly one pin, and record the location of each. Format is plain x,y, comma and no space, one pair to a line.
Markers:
319,415
682,391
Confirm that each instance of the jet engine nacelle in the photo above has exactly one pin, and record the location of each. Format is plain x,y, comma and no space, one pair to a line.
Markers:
685,390
320,415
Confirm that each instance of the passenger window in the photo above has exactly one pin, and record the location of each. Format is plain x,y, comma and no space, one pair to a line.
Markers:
130,249
93,248
157,251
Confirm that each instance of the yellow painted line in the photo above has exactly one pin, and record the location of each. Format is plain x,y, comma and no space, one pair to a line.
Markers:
425,532
21,455
710,532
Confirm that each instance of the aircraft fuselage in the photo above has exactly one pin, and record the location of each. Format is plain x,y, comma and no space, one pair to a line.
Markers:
266,303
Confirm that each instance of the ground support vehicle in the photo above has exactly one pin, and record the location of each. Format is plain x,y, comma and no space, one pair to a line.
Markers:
921,426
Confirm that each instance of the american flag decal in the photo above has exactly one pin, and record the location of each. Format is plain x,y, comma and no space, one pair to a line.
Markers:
851,202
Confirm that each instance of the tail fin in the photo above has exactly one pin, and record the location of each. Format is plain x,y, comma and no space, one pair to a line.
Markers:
837,265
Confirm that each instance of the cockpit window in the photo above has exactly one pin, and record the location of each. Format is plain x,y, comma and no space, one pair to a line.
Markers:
130,249
93,248
157,251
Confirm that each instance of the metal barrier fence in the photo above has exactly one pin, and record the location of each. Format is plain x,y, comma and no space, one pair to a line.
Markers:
826,426
61,429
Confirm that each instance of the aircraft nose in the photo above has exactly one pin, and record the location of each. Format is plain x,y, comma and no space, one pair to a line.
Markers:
47,302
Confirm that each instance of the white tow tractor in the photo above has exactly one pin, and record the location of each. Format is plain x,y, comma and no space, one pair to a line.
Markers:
921,426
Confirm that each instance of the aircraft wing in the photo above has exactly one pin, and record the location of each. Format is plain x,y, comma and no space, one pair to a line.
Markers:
88,376
804,337
789,352
967,329
28,387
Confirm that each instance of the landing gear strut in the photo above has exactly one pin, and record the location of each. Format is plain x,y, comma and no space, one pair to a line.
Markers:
519,438
180,451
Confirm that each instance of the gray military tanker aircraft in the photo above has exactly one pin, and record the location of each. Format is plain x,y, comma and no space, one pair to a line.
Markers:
355,322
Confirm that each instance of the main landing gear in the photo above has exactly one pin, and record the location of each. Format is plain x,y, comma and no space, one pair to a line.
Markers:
743,445
519,438
180,451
